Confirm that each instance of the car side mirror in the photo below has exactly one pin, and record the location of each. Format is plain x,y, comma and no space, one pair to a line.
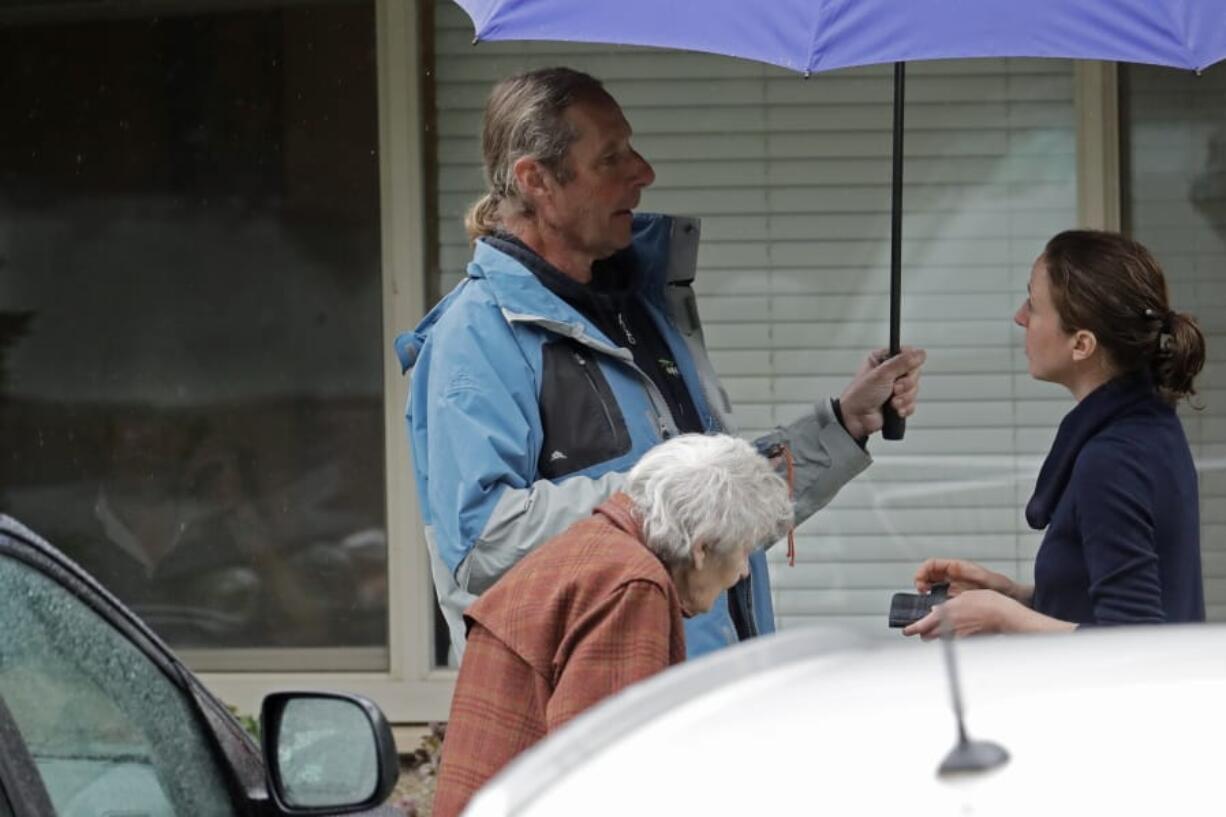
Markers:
327,752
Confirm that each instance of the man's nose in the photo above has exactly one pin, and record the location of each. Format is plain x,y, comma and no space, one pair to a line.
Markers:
1019,317
645,174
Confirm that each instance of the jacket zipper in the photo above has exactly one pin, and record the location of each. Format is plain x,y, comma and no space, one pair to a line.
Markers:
657,397
621,321
604,407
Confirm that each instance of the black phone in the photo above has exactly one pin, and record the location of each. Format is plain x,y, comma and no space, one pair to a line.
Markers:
907,608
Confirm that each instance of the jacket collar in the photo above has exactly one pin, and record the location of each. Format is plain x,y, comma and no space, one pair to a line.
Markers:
518,289
521,296
1096,411
615,274
619,510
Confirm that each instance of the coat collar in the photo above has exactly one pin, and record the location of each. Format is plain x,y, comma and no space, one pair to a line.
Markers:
518,292
619,510
517,289
1095,412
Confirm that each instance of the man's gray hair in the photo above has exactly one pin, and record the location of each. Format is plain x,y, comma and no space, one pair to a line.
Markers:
524,116
714,489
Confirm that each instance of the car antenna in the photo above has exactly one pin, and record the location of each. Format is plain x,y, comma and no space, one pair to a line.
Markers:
968,755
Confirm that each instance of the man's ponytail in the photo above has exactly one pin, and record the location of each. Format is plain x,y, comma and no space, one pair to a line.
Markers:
482,217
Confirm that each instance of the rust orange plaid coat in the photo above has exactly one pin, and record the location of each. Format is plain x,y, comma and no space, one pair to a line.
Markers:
588,613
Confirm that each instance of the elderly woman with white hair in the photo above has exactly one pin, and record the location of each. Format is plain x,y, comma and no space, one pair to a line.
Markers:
601,606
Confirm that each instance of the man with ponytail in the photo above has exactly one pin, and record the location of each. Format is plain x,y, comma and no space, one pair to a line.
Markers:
1118,492
573,347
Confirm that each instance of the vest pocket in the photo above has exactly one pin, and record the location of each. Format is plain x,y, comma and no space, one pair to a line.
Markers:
582,421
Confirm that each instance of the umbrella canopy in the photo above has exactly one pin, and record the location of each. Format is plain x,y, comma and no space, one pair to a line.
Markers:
822,35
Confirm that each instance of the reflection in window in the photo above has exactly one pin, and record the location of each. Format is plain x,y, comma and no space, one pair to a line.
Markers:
190,315
1175,203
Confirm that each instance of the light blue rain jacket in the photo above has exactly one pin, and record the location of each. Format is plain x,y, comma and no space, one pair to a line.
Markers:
475,431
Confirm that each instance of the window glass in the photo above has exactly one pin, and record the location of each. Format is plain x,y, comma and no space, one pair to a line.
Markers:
107,731
1174,126
791,178
191,387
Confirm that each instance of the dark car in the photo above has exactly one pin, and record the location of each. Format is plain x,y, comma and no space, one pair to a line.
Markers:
98,718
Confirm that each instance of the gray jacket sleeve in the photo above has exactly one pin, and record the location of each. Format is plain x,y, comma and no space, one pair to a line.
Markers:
824,456
525,518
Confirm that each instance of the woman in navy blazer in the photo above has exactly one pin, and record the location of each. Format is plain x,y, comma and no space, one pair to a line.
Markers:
1118,490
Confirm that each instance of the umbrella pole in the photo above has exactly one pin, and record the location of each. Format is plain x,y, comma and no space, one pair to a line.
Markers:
895,427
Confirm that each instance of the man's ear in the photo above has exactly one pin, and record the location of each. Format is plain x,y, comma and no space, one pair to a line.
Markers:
531,178
1084,344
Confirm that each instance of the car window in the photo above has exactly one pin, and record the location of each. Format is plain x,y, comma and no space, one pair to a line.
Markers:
109,733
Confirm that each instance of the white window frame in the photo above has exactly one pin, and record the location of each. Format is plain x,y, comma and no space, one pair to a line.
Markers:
1096,105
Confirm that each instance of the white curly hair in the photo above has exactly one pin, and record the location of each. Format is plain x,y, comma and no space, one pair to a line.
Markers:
709,488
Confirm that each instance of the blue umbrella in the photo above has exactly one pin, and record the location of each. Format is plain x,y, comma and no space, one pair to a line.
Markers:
821,35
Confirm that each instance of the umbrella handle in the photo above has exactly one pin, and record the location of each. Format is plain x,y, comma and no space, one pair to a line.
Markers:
894,427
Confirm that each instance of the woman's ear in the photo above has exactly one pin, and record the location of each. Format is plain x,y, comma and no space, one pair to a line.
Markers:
1084,344
699,554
